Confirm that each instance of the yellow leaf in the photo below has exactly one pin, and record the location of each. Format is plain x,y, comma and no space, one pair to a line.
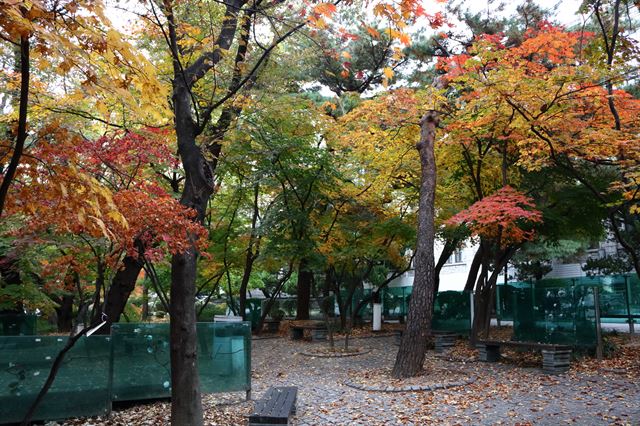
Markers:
102,226
388,73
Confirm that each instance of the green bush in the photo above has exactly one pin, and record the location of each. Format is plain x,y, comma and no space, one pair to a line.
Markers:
212,310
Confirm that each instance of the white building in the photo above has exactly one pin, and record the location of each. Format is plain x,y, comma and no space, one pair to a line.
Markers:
453,275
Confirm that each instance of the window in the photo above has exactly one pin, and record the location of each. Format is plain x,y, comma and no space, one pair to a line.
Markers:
456,257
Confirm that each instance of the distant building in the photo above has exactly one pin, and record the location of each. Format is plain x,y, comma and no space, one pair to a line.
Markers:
453,275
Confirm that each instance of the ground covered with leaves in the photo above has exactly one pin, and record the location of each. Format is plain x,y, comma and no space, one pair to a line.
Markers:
513,391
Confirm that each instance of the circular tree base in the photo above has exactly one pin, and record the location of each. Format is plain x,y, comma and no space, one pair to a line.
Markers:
337,353
409,388
436,374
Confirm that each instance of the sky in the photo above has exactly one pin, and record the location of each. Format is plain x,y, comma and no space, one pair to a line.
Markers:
565,9
565,12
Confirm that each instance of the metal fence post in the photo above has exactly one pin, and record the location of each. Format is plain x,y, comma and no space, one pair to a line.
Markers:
627,294
498,307
596,303
471,307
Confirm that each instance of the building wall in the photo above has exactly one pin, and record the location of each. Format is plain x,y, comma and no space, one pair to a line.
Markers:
454,275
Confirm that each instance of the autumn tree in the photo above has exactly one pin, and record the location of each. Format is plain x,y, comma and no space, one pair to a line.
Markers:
572,127
203,109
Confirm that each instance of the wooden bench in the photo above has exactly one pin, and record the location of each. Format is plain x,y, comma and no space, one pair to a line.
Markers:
275,407
555,358
318,329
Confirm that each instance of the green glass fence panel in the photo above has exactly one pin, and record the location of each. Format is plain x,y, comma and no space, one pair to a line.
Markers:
366,310
505,300
359,295
288,306
141,360
224,356
81,388
141,363
619,295
18,325
561,315
395,301
452,312
254,311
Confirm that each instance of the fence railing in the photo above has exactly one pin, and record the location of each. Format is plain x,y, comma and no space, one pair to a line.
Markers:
132,363
619,295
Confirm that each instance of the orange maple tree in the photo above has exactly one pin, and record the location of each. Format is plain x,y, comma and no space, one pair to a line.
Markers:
506,216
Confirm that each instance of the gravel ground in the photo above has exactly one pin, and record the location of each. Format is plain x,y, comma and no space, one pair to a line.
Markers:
502,393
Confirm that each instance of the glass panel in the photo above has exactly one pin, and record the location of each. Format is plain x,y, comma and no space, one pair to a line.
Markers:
141,359
561,315
619,295
395,301
452,312
81,388
18,325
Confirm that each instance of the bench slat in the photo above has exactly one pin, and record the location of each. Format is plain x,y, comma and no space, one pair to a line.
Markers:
275,407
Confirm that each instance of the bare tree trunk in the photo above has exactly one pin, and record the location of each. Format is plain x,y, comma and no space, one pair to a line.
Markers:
414,341
55,367
199,163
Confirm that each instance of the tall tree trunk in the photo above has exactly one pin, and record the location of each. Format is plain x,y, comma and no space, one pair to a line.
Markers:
199,163
485,292
448,249
186,403
305,279
252,254
122,284
414,341
64,313
278,288
145,302
21,135
476,263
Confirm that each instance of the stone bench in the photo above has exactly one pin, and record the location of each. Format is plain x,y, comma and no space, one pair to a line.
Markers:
443,340
318,330
272,326
555,358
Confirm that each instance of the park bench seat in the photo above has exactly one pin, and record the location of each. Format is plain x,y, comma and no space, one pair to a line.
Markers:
276,407
555,358
318,329
443,340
